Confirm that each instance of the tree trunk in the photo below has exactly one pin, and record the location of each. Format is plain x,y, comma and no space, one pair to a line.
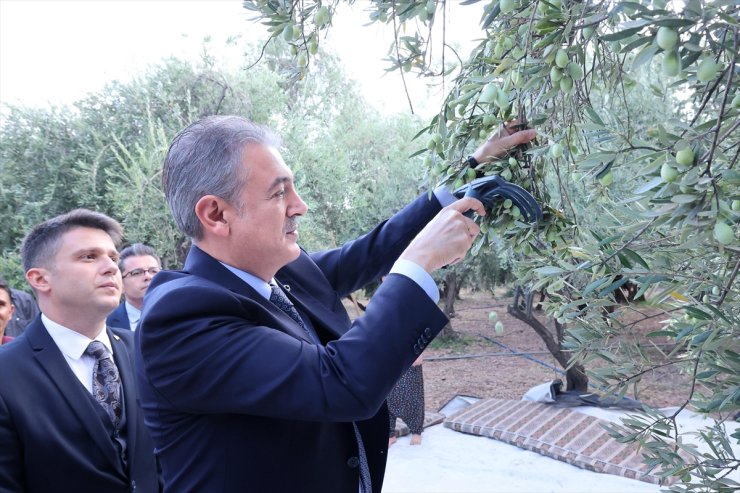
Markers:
450,293
521,308
452,289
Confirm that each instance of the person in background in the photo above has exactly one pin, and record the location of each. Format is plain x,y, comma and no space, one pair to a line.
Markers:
139,264
252,375
406,401
25,311
69,414
6,310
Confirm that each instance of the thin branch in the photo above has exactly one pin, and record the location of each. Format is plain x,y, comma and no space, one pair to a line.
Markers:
629,242
731,71
728,285
398,58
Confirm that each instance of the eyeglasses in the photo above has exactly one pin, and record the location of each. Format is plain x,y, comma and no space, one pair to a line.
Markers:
140,272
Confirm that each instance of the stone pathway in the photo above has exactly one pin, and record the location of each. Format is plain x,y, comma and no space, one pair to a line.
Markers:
560,433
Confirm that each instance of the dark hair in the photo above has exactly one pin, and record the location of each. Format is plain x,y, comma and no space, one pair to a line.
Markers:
41,244
137,250
206,159
6,287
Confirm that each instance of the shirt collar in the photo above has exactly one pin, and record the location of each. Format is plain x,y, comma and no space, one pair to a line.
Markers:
134,314
70,342
259,285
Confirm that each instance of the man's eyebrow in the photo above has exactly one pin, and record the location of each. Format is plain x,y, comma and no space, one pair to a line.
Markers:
95,250
281,180
80,251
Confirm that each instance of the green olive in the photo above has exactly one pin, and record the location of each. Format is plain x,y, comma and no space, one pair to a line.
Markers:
671,63
507,5
489,93
556,150
723,233
685,157
561,58
322,16
666,38
302,60
566,84
575,71
668,173
707,70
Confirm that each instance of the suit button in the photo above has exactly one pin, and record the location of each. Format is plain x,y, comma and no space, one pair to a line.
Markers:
133,486
428,332
353,462
417,350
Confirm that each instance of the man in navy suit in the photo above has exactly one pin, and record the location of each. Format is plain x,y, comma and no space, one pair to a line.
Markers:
138,264
252,376
69,414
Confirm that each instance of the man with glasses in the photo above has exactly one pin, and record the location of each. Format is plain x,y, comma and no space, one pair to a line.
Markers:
138,263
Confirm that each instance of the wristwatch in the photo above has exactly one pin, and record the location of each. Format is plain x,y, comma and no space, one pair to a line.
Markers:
472,163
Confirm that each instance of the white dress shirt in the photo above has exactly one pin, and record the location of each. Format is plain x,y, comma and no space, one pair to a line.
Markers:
73,345
134,314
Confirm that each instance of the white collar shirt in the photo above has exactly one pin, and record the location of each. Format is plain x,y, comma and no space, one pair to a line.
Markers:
259,285
134,314
72,346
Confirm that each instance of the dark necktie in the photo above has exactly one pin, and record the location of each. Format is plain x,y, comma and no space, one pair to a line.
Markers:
106,382
278,298
364,468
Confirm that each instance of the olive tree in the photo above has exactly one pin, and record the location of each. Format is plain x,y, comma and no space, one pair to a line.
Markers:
106,151
636,104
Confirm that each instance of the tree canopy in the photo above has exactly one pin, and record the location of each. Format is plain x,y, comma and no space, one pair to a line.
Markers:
636,104
105,152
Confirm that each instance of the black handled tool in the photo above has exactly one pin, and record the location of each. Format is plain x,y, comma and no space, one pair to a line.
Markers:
490,189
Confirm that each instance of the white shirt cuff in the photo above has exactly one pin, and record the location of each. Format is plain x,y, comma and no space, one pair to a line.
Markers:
417,274
444,195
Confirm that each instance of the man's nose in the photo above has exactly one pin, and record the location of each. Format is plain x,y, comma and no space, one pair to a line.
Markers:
109,266
298,207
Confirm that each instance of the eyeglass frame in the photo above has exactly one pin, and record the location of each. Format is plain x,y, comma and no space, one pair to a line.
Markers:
134,273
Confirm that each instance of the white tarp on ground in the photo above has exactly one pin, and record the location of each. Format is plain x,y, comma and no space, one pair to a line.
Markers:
451,462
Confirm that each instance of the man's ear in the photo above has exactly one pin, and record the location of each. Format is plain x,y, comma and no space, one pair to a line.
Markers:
214,214
38,278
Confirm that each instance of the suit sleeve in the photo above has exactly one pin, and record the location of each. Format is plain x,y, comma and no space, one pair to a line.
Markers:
361,261
206,350
11,461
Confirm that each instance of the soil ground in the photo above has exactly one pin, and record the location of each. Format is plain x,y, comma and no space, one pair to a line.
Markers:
482,364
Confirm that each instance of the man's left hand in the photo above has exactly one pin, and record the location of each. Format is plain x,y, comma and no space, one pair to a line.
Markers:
507,137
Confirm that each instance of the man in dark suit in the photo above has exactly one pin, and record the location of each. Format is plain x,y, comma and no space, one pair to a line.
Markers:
26,310
138,264
252,376
69,414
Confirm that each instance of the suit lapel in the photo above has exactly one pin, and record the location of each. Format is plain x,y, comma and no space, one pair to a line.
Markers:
119,318
50,358
336,323
203,265
125,370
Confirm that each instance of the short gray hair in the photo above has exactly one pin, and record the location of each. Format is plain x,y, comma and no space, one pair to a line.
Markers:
206,159
137,250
